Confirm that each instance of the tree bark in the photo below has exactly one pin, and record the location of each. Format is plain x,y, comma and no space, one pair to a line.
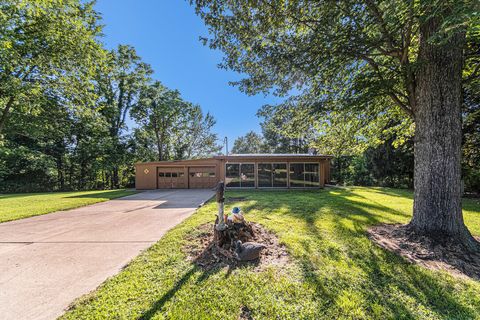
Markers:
437,211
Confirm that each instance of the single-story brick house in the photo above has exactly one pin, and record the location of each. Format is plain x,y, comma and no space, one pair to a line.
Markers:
238,171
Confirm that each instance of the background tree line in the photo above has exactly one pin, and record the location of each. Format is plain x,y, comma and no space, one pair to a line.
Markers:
376,155
65,102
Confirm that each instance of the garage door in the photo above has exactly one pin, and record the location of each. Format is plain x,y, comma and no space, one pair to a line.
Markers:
171,178
202,177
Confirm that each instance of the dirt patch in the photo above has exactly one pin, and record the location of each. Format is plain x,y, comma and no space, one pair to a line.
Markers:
245,314
421,250
204,253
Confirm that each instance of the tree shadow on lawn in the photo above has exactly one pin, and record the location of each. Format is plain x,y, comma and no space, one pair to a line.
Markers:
381,280
402,193
349,274
158,305
107,194
204,275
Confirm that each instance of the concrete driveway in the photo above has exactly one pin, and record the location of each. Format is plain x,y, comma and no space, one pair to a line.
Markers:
48,261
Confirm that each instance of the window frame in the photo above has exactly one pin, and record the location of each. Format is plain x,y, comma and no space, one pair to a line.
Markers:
304,186
239,174
271,175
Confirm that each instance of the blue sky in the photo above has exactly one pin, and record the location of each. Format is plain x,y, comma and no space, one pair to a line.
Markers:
165,34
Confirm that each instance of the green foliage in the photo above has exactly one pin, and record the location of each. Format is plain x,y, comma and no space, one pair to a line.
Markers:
119,86
252,142
347,68
383,165
19,206
337,272
47,49
176,128
64,101
287,129
471,137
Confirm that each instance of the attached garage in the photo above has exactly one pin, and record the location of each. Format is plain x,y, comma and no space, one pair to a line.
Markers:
238,171
171,178
202,177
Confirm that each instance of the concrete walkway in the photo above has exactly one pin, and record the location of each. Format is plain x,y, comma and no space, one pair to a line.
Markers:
48,261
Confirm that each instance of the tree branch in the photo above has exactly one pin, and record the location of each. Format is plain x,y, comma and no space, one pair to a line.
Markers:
391,94
383,27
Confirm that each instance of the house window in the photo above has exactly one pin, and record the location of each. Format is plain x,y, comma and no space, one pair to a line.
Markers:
296,175
264,175
312,178
247,175
304,175
240,175
272,175
232,175
279,175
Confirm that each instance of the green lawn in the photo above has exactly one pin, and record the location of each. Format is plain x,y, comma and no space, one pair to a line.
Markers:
23,205
337,272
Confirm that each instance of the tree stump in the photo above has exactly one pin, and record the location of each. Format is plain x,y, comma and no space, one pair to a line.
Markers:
234,231
225,233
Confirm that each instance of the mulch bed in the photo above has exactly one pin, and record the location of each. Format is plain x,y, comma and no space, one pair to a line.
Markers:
201,249
423,251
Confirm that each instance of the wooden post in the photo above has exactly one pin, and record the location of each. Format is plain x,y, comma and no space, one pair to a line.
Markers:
220,204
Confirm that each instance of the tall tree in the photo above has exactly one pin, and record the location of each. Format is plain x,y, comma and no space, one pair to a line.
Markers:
352,55
119,86
160,112
46,48
251,142
178,128
199,139
287,129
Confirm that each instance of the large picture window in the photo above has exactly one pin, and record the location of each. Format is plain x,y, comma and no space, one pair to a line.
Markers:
272,175
232,175
304,175
280,175
296,175
311,175
264,175
247,175
240,175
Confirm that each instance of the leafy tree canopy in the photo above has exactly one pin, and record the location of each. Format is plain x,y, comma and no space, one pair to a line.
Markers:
252,142
47,48
348,67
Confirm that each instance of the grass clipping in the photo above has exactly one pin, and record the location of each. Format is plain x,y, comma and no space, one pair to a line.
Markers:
203,251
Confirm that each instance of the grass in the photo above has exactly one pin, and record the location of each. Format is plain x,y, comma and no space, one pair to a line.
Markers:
338,273
23,205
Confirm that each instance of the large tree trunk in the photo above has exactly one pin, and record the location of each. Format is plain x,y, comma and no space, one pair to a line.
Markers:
437,211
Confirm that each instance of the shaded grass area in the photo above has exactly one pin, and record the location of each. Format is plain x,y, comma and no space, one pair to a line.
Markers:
338,273
23,205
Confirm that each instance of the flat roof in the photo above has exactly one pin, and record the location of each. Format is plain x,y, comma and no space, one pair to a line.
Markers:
273,155
243,156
